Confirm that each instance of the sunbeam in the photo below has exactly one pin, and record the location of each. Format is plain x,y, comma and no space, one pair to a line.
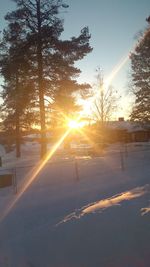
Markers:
34,174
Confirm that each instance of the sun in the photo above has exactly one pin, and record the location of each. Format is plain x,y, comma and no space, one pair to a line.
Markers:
74,124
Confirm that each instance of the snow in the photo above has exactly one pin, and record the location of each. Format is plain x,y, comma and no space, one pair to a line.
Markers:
101,218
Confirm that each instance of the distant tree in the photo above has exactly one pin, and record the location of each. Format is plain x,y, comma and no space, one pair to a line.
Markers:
140,66
51,57
105,101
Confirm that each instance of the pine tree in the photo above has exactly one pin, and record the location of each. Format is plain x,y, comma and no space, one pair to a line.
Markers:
140,64
16,92
52,58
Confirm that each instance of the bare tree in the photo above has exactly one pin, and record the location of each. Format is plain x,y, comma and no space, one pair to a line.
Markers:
105,103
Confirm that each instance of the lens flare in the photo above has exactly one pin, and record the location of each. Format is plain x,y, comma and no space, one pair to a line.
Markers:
115,70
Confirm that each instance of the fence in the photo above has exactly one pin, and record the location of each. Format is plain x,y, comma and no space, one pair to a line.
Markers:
120,158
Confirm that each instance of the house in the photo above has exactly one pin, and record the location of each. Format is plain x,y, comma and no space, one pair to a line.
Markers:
128,131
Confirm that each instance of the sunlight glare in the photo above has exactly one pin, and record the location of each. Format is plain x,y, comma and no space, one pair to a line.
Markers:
75,124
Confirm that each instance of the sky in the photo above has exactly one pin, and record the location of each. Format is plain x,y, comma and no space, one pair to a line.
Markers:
113,25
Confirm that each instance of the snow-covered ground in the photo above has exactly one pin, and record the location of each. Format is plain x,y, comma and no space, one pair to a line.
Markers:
88,212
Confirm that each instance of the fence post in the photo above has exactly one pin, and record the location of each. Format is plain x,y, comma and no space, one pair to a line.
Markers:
121,160
0,161
14,181
126,149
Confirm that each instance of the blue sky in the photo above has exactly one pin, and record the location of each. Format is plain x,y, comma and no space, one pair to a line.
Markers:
113,25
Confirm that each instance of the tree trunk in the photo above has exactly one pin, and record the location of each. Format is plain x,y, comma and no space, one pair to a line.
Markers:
18,150
40,84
